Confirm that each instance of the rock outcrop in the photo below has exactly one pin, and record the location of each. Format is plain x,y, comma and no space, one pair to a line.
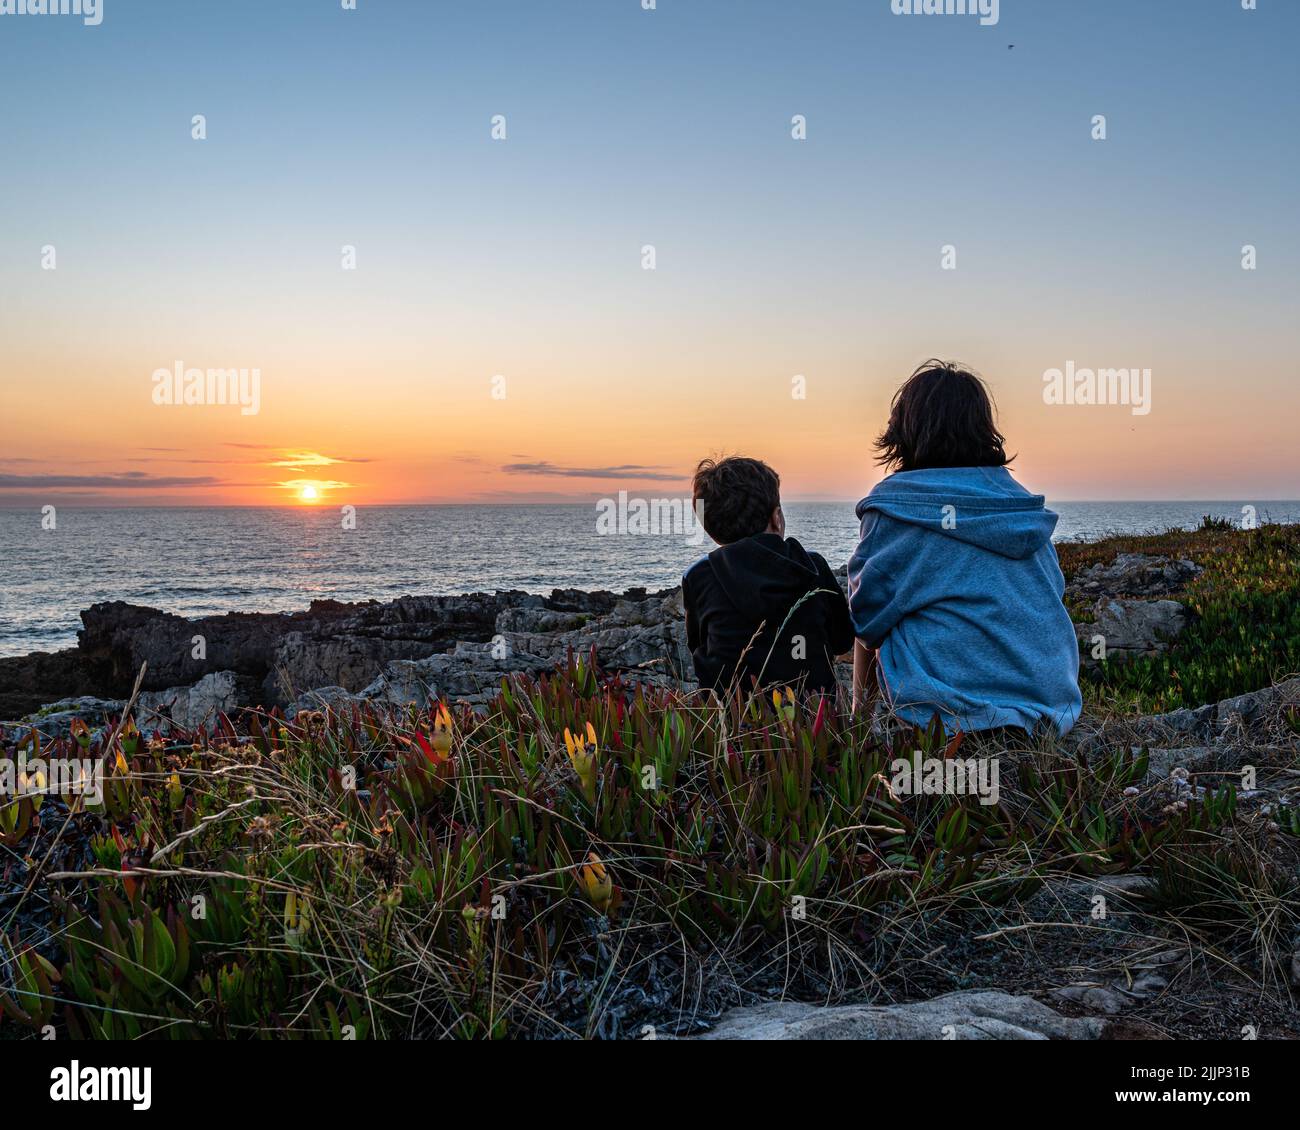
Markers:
1246,715
1135,575
635,633
1132,628
967,1015
55,720
331,642
450,646
28,682
192,708
1131,609
469,673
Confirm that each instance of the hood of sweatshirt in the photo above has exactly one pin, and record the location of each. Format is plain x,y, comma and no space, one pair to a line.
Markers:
764,574
989,509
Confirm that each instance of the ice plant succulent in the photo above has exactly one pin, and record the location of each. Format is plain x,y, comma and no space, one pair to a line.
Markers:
297,920
596,882
437,746
702,818
129,738
80,733
784,704
130,856
29,998
582,756
33,785
427,767
15,819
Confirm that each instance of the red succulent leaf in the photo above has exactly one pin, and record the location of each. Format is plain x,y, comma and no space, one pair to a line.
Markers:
425,747
433,756
820,720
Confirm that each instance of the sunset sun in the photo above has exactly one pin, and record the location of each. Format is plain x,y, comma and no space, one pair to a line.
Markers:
308,493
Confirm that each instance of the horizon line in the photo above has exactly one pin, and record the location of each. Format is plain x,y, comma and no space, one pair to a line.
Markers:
322,505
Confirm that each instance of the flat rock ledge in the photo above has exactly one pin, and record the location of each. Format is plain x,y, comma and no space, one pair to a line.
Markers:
966,1015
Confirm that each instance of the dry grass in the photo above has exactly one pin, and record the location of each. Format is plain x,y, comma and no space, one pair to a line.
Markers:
355,876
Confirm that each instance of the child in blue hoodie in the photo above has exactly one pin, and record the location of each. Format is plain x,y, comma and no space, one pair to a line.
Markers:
955,584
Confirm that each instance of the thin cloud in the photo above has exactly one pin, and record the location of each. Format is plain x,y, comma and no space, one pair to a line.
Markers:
291,460
533,497
297,460
127,480
617,471
319,484
222,462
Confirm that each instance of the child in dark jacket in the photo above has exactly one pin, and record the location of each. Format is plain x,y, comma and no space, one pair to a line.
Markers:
759,608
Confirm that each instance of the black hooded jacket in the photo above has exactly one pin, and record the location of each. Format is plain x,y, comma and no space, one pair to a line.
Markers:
741,596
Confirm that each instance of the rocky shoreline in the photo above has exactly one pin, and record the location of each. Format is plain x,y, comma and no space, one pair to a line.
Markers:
419,648
413,648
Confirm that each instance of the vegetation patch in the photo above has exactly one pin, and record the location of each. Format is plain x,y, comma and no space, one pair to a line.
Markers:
585,858
1245,629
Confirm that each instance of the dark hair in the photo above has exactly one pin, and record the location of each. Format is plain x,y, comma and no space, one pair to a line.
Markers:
943,416
738,497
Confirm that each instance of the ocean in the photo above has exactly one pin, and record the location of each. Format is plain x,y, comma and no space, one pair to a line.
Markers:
198,561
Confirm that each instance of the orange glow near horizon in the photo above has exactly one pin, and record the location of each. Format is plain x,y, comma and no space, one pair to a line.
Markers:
575,436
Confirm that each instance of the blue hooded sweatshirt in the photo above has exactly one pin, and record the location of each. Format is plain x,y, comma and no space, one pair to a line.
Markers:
956,582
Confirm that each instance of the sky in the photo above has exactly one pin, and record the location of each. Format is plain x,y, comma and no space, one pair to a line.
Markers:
499,338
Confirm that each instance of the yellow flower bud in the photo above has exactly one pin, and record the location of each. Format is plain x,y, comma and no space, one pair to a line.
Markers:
596,882
582,756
